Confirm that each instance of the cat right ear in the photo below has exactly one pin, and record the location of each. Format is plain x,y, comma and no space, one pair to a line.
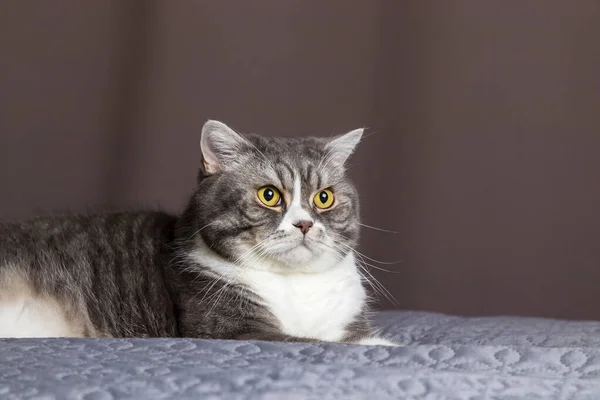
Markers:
221,146
341,147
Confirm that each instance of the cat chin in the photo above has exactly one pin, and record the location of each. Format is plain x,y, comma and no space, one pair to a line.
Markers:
304,260
296,257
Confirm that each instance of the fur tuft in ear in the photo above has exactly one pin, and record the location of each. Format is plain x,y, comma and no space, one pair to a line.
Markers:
221,146
342,147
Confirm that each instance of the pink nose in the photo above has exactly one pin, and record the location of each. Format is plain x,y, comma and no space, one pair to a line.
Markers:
304,226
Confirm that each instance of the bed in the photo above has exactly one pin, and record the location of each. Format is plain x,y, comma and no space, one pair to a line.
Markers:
443,357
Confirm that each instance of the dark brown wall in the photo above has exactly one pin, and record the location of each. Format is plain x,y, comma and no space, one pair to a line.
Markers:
484,121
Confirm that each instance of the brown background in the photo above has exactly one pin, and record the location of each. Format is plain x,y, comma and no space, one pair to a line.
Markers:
484,120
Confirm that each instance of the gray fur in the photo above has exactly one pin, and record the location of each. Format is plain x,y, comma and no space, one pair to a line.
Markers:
129,274
106,270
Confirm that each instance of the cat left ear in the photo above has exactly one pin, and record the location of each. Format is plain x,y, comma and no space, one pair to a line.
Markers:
342,147
221,146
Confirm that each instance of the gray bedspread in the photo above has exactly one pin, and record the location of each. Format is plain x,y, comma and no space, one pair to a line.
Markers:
444,357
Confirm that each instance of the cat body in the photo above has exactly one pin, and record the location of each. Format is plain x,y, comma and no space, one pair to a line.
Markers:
263,250
86,276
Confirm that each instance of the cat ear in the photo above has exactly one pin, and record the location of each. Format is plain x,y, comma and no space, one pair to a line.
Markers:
221,146
342,147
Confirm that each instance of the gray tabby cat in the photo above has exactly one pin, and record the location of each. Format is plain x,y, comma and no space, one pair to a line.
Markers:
264,250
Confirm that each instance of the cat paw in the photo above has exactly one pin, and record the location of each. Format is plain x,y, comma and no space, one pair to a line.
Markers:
375,341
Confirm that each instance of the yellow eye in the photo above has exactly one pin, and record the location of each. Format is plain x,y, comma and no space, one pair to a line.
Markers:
269,196
324,199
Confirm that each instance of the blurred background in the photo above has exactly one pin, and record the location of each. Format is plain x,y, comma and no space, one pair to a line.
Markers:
484,125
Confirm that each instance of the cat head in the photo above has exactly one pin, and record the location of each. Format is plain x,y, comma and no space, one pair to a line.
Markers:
283,203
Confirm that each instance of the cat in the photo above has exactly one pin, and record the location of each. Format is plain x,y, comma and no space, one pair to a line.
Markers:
263,251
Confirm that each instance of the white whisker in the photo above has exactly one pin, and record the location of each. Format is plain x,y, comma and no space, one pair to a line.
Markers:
371,259
377,286
377,229
239,269
200,230
383,290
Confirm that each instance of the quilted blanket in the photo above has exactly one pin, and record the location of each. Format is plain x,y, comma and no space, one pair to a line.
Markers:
443,357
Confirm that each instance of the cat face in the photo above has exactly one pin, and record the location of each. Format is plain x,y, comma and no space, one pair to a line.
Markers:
276,203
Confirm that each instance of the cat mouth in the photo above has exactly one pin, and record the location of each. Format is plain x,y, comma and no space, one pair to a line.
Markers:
303,246
306,243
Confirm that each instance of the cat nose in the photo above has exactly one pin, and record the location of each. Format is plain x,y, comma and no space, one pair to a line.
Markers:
304,226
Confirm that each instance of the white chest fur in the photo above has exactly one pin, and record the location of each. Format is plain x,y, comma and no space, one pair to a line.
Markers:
317,305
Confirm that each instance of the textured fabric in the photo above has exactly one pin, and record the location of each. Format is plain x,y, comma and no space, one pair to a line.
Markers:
443,357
